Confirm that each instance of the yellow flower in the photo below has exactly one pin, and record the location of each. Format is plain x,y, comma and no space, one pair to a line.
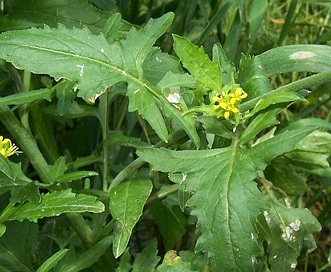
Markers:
7,148
228,102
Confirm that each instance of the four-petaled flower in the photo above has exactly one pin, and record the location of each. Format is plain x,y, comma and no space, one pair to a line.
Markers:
7,148
228,102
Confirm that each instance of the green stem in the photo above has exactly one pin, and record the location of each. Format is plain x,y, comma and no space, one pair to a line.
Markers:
84,232
24,112
26,142
176,138
126,172
164,192
103,116
304,83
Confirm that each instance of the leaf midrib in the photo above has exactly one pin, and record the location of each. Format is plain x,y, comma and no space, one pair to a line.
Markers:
231,164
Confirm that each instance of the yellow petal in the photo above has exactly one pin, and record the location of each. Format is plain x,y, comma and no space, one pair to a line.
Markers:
226,115
234,110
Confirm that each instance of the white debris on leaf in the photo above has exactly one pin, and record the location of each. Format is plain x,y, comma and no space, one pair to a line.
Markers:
293,265
302,55
102,50
287,202
173,98
295,225
81,69
267,217
289,231
75,87
158,59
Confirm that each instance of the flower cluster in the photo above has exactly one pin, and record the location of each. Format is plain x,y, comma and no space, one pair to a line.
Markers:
7,148
228,102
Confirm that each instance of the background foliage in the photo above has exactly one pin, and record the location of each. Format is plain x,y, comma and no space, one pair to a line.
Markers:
127,164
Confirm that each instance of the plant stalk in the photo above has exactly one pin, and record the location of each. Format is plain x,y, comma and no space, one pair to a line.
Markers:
26,142
103,116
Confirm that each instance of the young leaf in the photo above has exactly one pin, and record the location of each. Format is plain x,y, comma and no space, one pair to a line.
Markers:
252,77
53,204
260,122
147,259
226,177
273,98
227,66
198,63
52,261
126,205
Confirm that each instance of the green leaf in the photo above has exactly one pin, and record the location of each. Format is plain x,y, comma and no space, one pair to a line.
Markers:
273,98
12,178
77,175
126,205
16,246
259,123
76,13
52,261
26,97
255,17
125,263
53,204
312,152
252,77
147,259
283,175
296,58
85,260
117,138
88,60
197,62
170,222
288,229
173,263
317,122
227,67
226,177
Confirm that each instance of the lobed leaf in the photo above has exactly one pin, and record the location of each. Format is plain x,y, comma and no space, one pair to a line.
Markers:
52,204
227,217
147,259
93,64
